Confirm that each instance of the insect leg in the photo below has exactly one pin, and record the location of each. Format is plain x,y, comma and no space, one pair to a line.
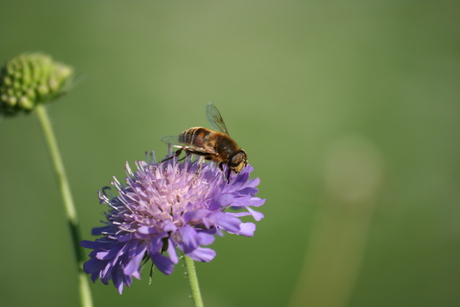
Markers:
175,155
229,171
200,161
186,155
221,167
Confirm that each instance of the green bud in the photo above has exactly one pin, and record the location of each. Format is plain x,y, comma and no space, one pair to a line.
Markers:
30,79
25,103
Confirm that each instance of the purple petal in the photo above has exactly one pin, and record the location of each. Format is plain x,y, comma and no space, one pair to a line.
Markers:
133,266
117,277
241,201
257,215
253,182
93,265
89,244
238,214
172,251
195,216
155,245
222,201
248,191
102,230
202,254
124,238
168,226
247,229
163,263
190,239
146,230
256,202
206,238
111,253
225,221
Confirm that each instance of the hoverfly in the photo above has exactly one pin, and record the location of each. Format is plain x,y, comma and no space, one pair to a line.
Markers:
214,145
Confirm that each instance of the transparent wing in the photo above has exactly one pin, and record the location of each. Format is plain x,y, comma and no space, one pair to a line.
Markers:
172,140
215,119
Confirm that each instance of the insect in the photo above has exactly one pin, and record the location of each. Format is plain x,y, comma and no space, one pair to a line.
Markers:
214,145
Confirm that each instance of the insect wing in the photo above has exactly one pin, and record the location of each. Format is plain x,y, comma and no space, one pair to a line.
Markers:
172,140
215,119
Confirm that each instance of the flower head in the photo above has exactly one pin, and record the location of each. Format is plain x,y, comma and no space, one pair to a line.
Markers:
30,79
164,206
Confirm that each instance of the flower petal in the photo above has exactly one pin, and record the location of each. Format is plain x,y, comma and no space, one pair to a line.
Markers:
163,263
247,229
189,239
172,251
202,254
93,265
225,221
135,260
256,202
248,191
257,215
206,238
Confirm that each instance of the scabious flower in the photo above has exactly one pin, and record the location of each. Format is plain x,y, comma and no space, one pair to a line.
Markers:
164,206
30,79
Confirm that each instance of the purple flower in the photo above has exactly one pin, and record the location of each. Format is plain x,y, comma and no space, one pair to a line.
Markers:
167,205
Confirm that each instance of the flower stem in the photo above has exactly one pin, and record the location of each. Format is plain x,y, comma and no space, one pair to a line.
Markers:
71,213
193,280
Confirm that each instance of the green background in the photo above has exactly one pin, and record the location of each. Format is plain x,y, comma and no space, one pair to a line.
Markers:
349,112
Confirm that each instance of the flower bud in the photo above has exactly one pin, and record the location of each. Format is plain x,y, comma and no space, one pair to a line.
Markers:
30,79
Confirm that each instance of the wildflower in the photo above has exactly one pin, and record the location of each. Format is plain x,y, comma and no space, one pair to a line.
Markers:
30,79
164,206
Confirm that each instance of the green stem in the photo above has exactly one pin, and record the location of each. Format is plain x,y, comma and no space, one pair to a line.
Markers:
193,280
71,213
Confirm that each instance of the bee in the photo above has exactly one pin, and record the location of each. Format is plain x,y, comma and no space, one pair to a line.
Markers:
214,145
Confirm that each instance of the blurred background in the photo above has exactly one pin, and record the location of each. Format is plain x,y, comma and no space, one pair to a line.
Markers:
349,113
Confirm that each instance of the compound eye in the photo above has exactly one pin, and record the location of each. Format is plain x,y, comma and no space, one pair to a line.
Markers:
236,159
